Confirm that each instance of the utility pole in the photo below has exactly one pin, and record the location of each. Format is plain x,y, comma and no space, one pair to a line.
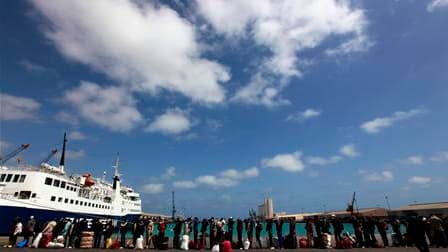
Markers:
174,207
387,201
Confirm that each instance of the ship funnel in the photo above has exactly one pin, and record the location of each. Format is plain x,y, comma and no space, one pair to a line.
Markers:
62,162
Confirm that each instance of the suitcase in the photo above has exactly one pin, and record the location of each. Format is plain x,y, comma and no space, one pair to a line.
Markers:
303,243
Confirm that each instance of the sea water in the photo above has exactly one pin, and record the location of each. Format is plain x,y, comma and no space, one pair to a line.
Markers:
300,229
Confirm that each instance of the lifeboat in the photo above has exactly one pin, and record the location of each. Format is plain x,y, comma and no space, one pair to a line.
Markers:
88,180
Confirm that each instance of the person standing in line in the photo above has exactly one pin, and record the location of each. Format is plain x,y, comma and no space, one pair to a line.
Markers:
219,230
269,231
29,230
204,226
161,227
371,232
416,232
318,228
396,224
212,232
438,231
149,232
97,227
357,227
382,227
16,230
337,228
292,226
124,228
366,233
258,229
239,231
230,225
195,231
249,224
177,230
279,231
309,232
108,232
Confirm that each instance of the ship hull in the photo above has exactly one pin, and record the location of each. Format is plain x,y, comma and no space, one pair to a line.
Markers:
9,213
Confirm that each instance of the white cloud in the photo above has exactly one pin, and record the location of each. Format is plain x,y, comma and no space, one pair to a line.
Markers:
145,45
185,184
260,91
420,180
72,154
384,176
290,162
76,135
226,178
287,29
65,117
110,107
238,175
172,122
153,188
32,66
216,182
440,157
314,160
213,124
436,4
170,172
376,125
414,160
301,116
349,150
14,108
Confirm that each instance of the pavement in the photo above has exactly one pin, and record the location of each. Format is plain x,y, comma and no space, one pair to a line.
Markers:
389,249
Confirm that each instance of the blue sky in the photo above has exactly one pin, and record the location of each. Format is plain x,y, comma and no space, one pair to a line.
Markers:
229,102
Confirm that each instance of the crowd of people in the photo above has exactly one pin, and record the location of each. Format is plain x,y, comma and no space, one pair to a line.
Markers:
219,234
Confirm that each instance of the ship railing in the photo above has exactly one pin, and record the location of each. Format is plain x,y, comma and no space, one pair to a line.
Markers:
22,167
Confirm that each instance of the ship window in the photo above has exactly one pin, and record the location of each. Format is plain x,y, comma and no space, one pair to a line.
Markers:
22,178
63,184
85,203
90,204
71,201
53,198
33,195
76,202
74,189
48,181
8,178
2,178
24,194
66,200
16,178
60,199
96,205
68,187
15,194
80,203
56,182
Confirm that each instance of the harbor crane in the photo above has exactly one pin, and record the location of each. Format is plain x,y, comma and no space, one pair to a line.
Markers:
350,207
45,160
12,154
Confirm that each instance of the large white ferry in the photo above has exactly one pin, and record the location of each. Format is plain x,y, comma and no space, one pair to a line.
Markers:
47,192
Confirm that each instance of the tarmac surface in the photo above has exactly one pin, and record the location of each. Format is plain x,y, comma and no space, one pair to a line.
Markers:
389,249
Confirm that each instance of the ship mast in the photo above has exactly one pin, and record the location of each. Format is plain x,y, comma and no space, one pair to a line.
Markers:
116,173
62,162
